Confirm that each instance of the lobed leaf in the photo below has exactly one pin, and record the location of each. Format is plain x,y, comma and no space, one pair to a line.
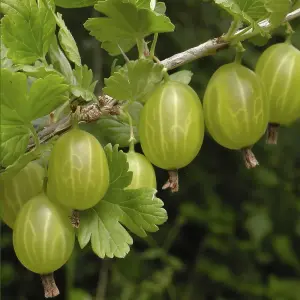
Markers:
13,169
248,11
75,3
5,62
45,95
134,81
27,30
20,106
38,70
138,210
14,141
85,85
124,24
183,76
67,41
278,9
60,62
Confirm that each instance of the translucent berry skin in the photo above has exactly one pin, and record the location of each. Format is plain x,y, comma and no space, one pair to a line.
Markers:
279,70
236,107
78,174
171,126
43,237
143,174
15,192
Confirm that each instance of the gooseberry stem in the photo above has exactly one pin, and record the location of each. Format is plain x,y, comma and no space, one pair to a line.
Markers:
75,117
272,134
173,181
166,74
50,288
153,45
75,218
239,52
35,137
289,31
249,158
132,139
140,46
232,29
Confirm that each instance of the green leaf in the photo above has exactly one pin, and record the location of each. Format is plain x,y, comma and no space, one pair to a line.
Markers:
27,30
125,24
75,3
139,210
278,10
14,141
45,95
259,40
67,41
39,70
24,159
115,129
19,107
248,11
287,288
134,81
60,62
114,49
5,62
84,86
183,76
284,249
148,4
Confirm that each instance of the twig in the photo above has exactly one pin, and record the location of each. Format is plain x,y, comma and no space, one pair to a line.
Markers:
210,47
88,113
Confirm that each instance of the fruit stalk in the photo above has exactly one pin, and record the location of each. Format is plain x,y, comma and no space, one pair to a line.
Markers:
173,181
272,134
50,288
249,158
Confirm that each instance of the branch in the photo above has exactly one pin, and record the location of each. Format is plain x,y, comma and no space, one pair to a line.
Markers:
106,105
93,112
212,46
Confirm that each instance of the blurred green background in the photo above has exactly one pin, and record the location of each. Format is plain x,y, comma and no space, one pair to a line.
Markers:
232,233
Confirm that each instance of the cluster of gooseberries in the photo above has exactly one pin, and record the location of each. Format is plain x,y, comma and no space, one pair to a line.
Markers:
239,106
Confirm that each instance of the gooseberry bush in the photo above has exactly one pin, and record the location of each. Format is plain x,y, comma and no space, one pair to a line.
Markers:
60,181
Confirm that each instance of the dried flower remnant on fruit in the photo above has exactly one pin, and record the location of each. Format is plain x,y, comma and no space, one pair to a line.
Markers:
75,218
249,158
173,182
272,134
50,288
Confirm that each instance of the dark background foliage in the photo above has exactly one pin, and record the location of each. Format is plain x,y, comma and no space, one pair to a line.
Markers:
232,233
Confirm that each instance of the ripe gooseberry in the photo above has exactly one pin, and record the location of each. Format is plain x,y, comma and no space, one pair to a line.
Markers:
278,68
236,109
78,174
143,174
171,128
43,239
16,191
